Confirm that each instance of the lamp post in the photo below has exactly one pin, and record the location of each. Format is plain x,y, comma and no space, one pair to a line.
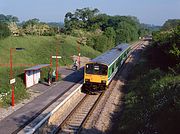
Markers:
56,64
12,81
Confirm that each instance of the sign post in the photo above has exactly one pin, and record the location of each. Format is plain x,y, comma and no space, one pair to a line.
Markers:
79,54
56,57
11,77
12,81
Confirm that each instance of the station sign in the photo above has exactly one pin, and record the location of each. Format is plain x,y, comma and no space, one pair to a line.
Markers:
59,57
12,81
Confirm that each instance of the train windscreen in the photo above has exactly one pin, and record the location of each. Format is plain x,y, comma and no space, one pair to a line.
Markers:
97,69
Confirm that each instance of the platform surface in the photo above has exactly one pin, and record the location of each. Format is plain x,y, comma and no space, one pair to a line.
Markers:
18,119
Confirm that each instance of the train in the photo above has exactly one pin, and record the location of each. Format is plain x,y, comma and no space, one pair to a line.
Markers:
99,72
147,38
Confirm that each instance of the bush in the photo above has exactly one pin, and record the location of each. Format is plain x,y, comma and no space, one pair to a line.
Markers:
167,45
4,30
150,100
101,43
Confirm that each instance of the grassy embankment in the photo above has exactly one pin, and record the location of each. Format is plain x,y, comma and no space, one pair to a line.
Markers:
152,101
37,51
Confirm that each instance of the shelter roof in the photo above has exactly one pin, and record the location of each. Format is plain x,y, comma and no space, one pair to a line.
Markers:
37,67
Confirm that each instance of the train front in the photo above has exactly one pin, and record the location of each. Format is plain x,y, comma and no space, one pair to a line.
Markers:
95,77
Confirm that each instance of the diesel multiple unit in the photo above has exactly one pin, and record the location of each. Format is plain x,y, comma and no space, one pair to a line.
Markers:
99,72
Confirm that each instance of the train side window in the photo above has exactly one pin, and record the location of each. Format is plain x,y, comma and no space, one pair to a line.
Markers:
113,68
119,60
110,71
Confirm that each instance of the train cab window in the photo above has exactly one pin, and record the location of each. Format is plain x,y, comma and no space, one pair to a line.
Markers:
89,68
96,69
104,70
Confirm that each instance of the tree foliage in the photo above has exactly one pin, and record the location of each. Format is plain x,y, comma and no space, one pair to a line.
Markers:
117,29
153,90
8,18
111,35
4,30
152,98
35,27
8,25
79,19
168,43
170,24
101,43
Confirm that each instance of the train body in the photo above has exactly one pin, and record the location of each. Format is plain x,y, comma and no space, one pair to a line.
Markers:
99,72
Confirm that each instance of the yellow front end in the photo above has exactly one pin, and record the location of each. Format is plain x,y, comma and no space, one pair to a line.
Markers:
91,78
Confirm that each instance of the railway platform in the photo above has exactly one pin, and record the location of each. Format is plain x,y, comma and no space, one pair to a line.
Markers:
20,118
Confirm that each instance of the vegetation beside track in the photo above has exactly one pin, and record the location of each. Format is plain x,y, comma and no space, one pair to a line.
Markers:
152,100
37,51
94,31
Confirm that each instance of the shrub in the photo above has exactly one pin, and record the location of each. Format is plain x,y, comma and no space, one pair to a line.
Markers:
4,30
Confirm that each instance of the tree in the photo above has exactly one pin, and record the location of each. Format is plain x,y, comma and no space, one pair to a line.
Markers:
80,19
11,18
123,32
4,30
168,45
8,19
116,29
35,27
101,20
111,35
170,24
100,43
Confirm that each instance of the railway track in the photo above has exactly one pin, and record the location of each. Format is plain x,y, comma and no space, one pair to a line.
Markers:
42,119
77,119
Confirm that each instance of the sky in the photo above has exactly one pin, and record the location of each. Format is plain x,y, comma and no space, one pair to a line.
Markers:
147,11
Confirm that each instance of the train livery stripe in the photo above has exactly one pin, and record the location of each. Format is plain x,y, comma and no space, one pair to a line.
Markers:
115,71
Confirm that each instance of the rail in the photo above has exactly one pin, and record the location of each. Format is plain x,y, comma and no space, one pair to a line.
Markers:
93,106
67,126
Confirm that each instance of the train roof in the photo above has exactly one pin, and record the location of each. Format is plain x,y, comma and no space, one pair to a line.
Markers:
109,56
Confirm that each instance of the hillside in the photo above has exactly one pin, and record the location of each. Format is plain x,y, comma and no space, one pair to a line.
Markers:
37,51
39,48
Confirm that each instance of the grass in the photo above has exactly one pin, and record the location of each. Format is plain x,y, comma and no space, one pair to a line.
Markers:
38,50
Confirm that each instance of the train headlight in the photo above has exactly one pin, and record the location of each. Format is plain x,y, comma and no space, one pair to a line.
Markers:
87,80
103,81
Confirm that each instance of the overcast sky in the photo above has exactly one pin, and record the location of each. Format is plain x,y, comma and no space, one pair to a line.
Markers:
148,11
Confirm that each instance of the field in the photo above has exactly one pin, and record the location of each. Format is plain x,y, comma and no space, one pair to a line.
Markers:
38,50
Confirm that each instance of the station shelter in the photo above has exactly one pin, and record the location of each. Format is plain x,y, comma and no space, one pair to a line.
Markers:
32,75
